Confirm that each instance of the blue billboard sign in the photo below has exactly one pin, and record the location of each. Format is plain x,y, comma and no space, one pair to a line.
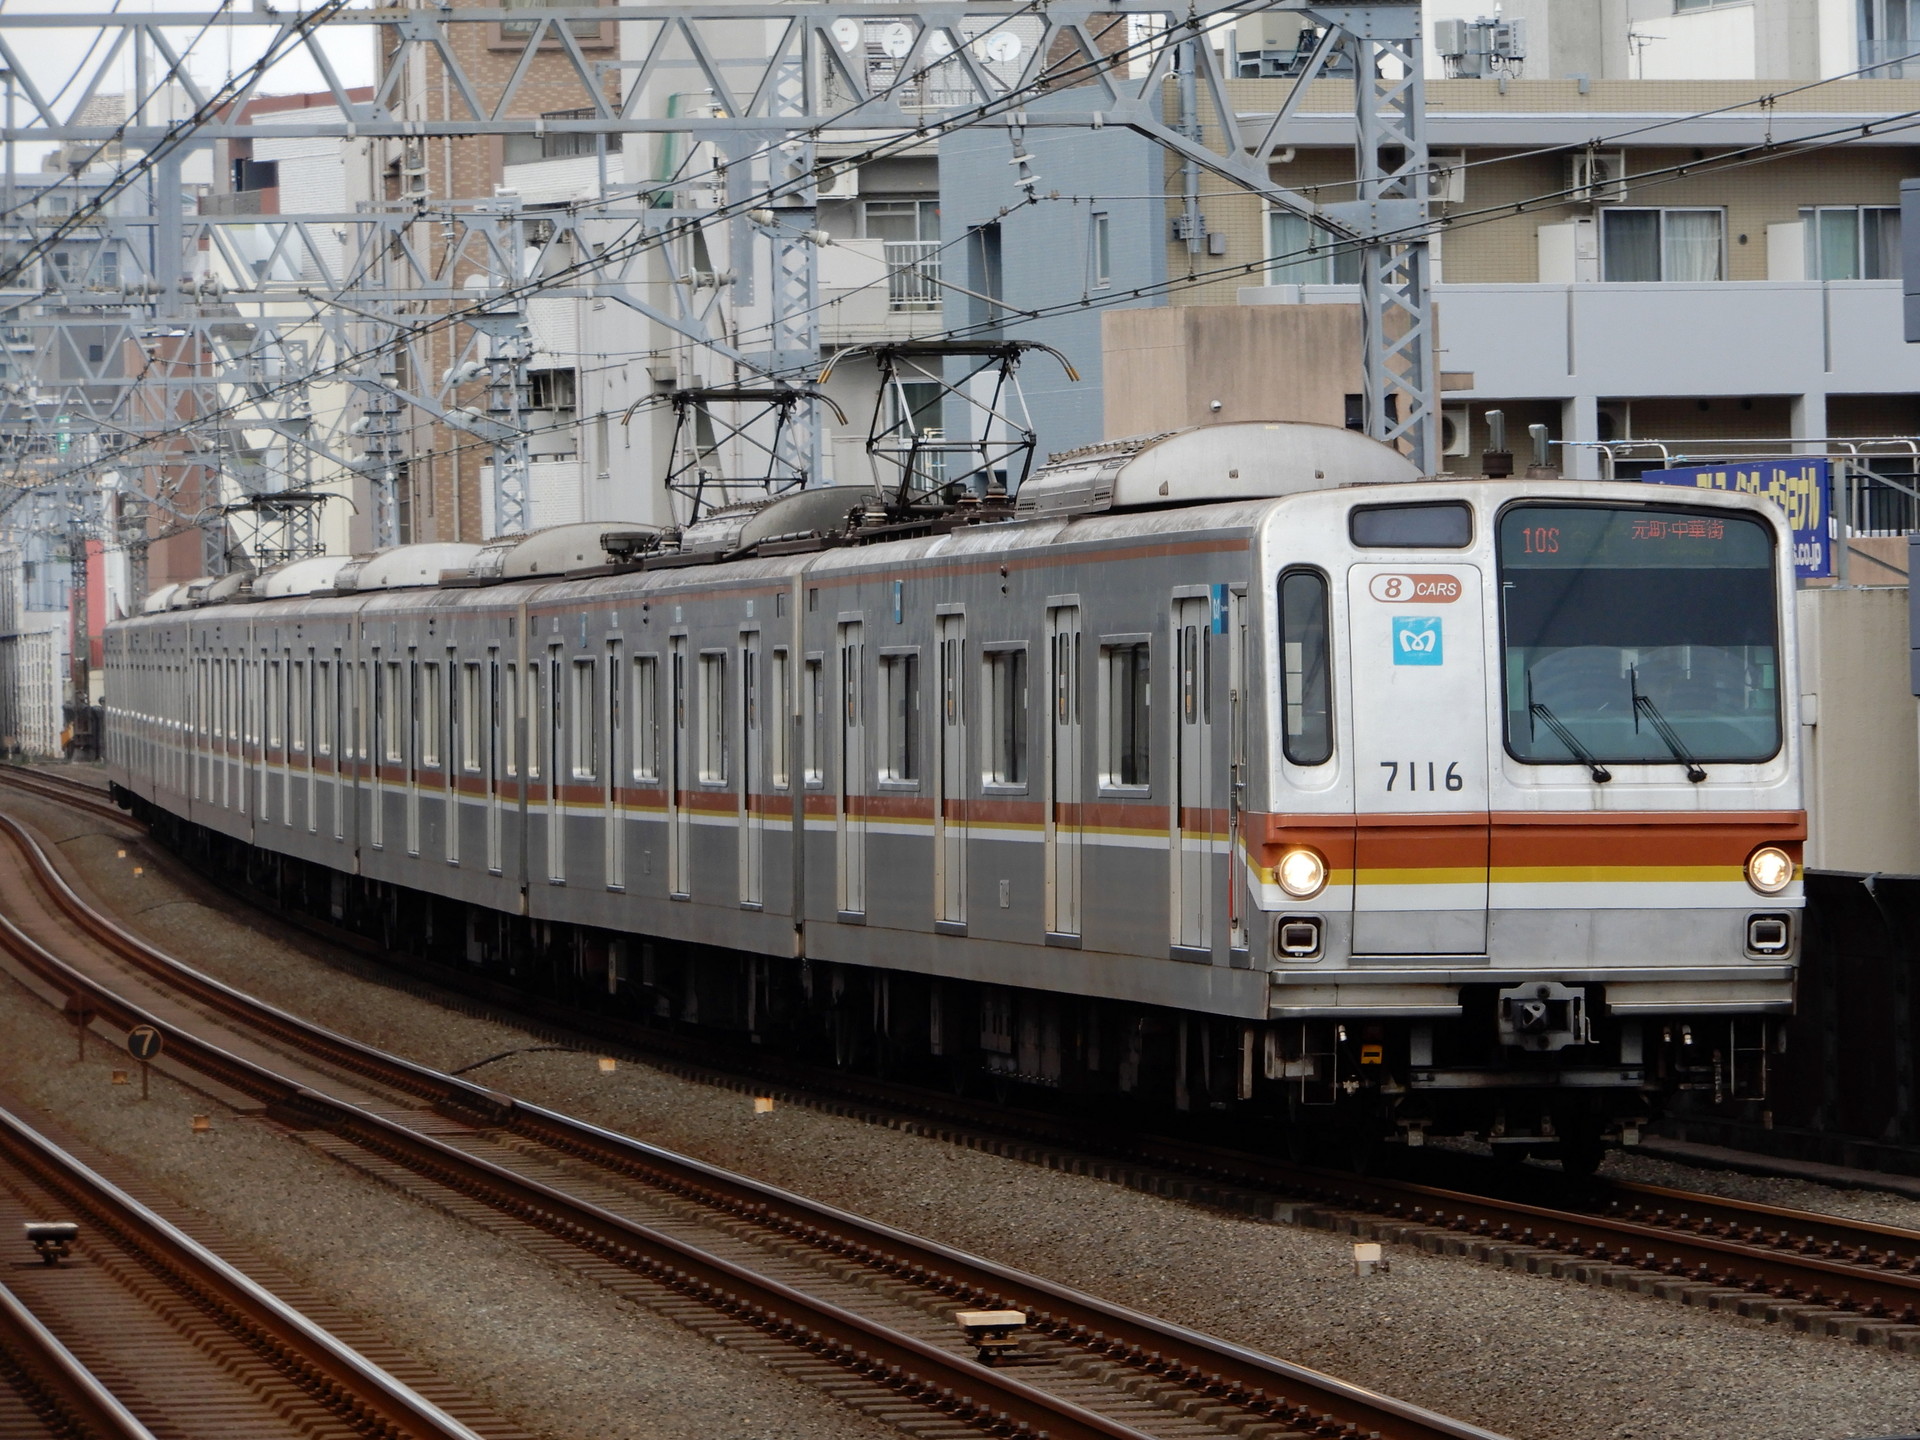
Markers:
1801,488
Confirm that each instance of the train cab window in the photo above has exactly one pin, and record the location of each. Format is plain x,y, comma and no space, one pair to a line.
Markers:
900,699
584,740
1004,675
780,723
1639,634
1306,668
646,717
1440,525
713,717
813,722
1127,674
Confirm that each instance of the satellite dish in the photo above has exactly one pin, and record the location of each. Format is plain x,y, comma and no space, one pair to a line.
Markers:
939,46
846,33
1003,47
896,40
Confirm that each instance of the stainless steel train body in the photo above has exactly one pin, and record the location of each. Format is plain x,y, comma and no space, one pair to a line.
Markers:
1459,803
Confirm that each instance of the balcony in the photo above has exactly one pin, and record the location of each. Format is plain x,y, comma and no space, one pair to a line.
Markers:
878,290
1789,337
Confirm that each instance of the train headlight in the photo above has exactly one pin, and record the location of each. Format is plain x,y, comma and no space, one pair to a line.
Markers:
1769,870
1302,873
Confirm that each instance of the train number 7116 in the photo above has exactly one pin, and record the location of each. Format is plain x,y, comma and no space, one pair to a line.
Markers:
1436,778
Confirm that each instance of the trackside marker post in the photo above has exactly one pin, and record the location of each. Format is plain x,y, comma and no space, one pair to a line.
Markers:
144,1044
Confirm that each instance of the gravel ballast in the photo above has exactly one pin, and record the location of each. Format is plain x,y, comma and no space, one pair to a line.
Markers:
1524,1355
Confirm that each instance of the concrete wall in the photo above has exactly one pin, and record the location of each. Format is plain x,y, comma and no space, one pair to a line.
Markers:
1045,254
1165,367
1862,727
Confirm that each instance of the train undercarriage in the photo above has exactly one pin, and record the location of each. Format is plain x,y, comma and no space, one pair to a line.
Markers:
1345,1091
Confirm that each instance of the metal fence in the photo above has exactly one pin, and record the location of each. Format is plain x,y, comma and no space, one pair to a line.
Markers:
913,274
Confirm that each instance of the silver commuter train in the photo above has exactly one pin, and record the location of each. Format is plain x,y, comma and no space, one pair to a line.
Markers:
1235,767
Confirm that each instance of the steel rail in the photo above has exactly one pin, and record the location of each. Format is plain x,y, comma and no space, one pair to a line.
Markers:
333,1374
79,1402
74,793
1786,1253
1317,1403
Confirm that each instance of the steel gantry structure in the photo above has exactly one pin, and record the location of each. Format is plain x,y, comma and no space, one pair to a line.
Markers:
189,363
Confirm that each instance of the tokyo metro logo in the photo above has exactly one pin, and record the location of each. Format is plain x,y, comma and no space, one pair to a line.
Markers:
1417,640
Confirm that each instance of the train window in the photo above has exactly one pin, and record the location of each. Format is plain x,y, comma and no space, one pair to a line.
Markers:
1442,525
323,707
1005,680
390,717
813,722
1128,675
276,702
297,707
780,728
1639,634
1306,668
646,717
510,720
900,700
362,714
585,738
713,717
472,727
431,707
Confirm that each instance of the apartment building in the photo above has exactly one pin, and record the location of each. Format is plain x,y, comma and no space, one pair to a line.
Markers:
1670,260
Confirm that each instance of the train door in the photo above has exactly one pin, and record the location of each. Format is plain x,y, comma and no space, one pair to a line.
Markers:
340,718
1239,658
949,810
498,716
1063,772
1194,801
411,730
751,818
679,819
614,858
852,826
553,745
1418,663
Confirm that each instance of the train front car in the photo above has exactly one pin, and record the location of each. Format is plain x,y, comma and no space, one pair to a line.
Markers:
1533,818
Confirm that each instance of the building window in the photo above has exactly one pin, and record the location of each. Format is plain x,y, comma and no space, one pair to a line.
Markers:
523,29
1305,659
1887,32
1005,679
585,739
901,220
1674,245
1102,256
1128,674
646,717
1301,253
1852,242
713,717
900,701
550,390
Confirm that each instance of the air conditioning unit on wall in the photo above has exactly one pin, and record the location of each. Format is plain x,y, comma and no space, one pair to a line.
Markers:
1597,177
841,184
1456,430
1447,176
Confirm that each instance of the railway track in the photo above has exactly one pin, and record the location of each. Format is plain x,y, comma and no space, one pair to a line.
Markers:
141,1333
861,1308
1760,1260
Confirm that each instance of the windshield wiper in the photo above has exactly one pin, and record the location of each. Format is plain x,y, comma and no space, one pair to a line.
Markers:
1643,705
1601,775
